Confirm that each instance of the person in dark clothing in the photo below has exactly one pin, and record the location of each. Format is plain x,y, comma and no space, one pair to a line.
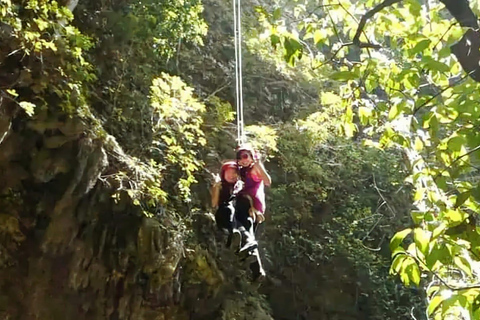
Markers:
224,190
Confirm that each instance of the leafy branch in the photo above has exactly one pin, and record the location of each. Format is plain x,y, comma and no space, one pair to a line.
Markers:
455,161
360,29
435,274
356,39
439,93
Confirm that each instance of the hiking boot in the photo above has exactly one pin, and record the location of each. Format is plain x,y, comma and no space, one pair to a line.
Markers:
258,273
260,276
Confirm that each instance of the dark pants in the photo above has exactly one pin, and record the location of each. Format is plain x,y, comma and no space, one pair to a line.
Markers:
242,215
225,216
234,214
243,207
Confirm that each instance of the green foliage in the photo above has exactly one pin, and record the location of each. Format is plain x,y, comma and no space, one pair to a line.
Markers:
408,95
135,43
262,138
177,139
52,53
59,77
332,203
167,23
177,135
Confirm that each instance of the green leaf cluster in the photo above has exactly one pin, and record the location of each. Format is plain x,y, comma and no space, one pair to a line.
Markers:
403,89
177,134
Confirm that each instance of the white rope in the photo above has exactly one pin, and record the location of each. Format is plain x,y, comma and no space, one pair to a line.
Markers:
240,68
237,29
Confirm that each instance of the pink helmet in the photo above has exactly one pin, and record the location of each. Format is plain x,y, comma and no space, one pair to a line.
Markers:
227,165
247,147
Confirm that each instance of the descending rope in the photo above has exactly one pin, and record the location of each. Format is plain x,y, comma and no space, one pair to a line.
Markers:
237,29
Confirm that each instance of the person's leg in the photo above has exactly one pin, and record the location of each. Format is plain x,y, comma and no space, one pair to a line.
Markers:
245,224
225,218
258,273
249,252
242,215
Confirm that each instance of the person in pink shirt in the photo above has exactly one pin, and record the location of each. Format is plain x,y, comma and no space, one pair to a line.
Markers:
255,177
251,203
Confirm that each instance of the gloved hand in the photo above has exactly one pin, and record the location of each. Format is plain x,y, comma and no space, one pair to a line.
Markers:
238,186
216,178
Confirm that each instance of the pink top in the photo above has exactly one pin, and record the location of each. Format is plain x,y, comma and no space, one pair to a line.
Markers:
254,187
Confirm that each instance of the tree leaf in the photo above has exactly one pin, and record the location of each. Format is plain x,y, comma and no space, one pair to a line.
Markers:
343,75
415,8
394,112
435,65
413,272
277,14
405,270
422,239
12,92
454,301
456,143
434,303
418,144
398,238
417,216
274,40
317,36
463,264
455,217
364,114
420,46
293,49
438,231
419,193
397,263
461,198
438,254
330,98
349,129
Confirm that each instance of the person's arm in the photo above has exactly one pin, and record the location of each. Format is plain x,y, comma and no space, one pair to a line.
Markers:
263,173
215,190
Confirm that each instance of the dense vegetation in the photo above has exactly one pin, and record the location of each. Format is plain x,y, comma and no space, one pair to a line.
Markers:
114,114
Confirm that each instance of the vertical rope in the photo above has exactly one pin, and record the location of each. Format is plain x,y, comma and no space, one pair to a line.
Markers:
237,29
240,71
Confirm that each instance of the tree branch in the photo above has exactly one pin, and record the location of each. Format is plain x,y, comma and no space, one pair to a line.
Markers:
461,11
439,93
356,39
455,161
443,281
